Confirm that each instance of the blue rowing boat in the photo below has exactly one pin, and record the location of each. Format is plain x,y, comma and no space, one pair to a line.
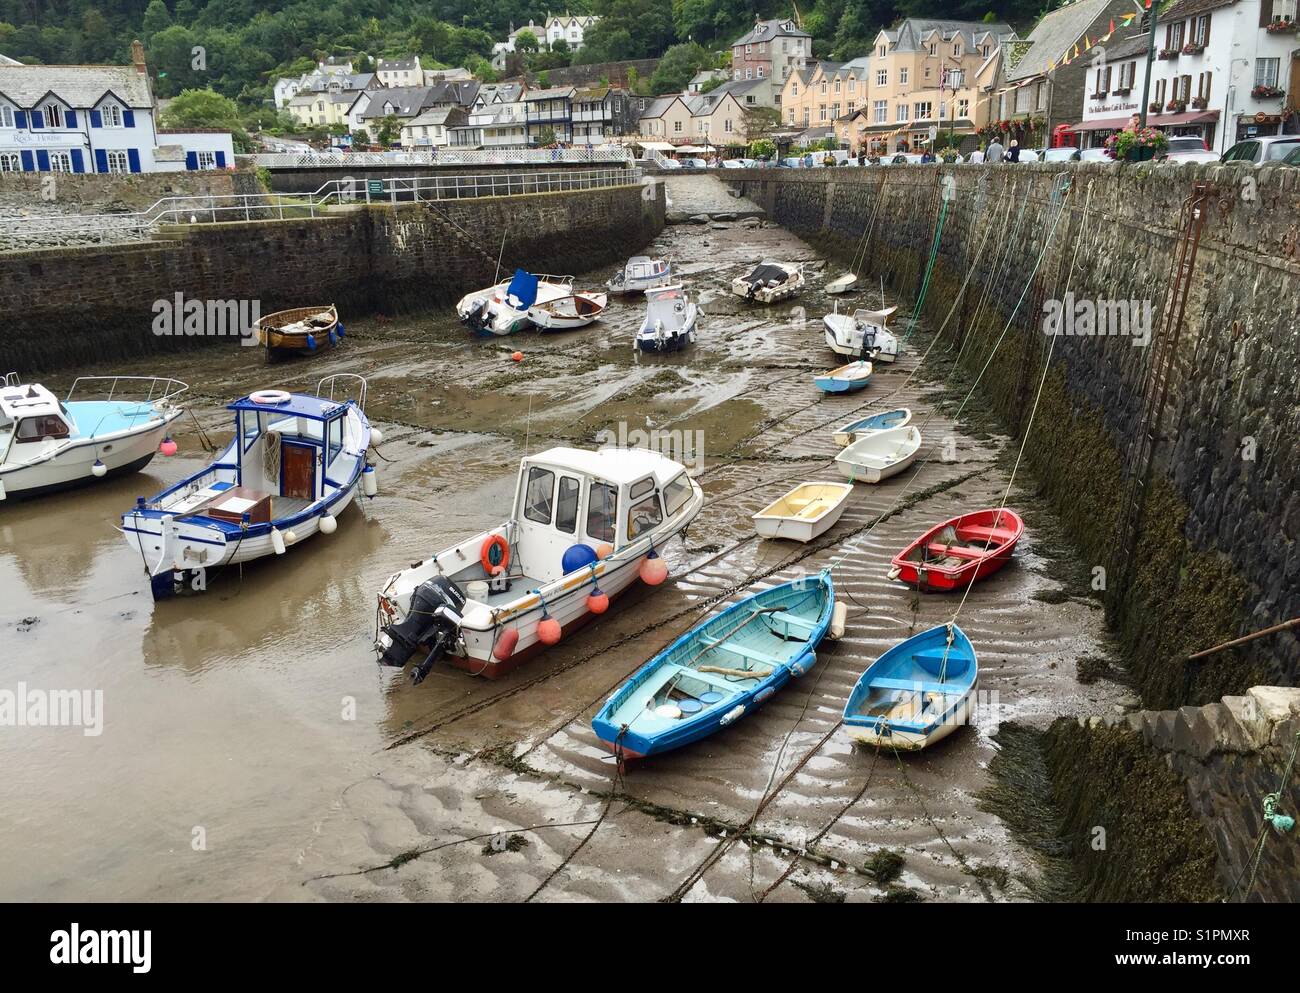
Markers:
846,379
916,693
720,670
876,422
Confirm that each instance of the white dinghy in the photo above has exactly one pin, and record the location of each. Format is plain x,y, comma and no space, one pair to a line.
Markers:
841,284
880,454
584,526
807,511
769,282
669,323
295,463
48,445
847,432
504,308
568,313
641,273
864,332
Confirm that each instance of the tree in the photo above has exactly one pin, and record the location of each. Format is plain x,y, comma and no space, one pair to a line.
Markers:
156,18
390,130
762,148
207,109
526,41
546,137
676,68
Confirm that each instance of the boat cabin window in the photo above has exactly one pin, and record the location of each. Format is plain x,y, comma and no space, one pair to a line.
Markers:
33,429
566,505
640,489
250,427
538,496
602,511
334,439
644,517
677,493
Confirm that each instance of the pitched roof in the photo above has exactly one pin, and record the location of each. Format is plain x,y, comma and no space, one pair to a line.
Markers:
434,116
398,65
407,101
767,30
552,93
660,106
910,35
78,86
1053,35
458,91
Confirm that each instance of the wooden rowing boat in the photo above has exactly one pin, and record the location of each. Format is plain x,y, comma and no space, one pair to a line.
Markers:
808,510
299,331
956,553
568,313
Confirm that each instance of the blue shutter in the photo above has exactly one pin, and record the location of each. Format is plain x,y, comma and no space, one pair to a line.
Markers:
96,119
191,160
20,120
101,160
221,160
38,120
133,157
78,163
128,118
70,119
28,164
42,160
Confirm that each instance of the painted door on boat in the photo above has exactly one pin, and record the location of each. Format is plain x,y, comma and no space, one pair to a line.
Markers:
298,471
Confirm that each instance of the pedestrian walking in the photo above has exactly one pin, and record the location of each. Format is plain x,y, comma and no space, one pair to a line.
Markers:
994,152
1013,153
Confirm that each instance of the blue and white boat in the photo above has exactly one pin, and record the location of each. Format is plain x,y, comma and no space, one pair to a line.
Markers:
503,308
917,693
641,273
720,670
48,445
899,418
295,463
846,379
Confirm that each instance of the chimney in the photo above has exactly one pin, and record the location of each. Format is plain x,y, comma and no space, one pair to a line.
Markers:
137,57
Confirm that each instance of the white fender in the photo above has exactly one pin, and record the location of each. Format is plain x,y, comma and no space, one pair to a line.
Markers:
839,616
328,525
277,541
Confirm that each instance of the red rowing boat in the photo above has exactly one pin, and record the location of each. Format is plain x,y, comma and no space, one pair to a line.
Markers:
956,553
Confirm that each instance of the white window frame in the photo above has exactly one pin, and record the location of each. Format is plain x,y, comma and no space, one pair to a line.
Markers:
117,160
1263,77
11,162
902,75
53,115
60,162
6,116
110,116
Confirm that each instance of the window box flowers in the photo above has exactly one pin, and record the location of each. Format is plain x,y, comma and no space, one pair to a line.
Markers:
1176,106
1193,48
1263,92
1200,103
1281,27
1168,53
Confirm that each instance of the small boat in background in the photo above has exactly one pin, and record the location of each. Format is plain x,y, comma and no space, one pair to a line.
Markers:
917,693
641,273
721,670
567,313
669,323
769,282
503,308
298,331
808,510
899,418
960,551
48,445
864,332
294,464
877,456
841,284
846,379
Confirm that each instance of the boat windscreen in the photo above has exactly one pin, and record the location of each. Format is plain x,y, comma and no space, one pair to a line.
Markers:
765,274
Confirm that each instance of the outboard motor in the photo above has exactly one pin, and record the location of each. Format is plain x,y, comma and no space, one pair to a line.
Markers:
475,317
433,619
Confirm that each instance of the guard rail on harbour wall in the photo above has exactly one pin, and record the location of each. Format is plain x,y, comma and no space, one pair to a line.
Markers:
441,157
339,193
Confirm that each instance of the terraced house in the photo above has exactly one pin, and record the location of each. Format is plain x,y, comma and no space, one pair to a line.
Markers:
770,50
549,110
823,92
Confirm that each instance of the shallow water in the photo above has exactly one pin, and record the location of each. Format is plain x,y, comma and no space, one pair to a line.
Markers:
250,743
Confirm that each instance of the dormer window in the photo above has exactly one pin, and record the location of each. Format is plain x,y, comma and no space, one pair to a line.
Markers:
111,115
53,115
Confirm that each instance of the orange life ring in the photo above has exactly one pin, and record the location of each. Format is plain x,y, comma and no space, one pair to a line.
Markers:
501,547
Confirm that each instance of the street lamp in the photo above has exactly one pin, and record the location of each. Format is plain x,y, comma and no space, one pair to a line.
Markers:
1151,55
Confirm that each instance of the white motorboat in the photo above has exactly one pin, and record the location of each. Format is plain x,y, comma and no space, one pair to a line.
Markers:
567,313
48,445
670,317
503,308
641,273
862,333
584,526
807,511
295,463
769,282
877,456
841,284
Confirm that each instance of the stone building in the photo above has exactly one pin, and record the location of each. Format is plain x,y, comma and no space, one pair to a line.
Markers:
770,50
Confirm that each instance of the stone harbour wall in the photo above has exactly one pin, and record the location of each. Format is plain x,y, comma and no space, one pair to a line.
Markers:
1218,553
66,306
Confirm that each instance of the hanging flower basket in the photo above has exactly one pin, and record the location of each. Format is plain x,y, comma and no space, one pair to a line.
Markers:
1138,145
1154,106
1267,92
1192,48
1281,27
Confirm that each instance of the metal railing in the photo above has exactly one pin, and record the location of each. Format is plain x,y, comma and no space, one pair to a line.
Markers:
336,193
159,390
442,157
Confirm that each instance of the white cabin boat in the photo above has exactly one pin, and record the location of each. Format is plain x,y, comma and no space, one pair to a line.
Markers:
48,445
503,308
641,273
862,333
806,512
769,282
583,525
877,456
295,463
568,313
669,323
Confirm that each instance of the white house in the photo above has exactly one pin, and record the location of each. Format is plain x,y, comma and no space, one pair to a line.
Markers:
497,118
93,119
286,88
1219,73
571,29
432,128
400,72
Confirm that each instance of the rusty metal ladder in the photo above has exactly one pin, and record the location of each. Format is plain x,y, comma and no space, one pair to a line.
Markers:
1155,381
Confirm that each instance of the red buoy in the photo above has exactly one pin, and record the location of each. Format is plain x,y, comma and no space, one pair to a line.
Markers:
506,644
517,356
598,602
548,631
654,570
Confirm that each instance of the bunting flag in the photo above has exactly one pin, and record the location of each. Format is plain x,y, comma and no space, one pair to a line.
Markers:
1147,5
1127,19
1076,50
1087,43
1112,28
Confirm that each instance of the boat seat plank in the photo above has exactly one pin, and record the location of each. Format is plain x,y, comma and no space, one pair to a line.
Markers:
941,550
794,622
978,532
753,654
882,683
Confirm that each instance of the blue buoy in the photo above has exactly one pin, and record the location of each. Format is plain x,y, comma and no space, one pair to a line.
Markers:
689,706
340,329
577,557
311,343
334,340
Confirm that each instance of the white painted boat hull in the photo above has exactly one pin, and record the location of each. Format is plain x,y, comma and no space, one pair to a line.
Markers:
863,462
844,337
770,523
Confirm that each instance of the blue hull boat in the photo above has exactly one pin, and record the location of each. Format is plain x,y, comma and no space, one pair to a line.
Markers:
876,422
846,379
719,671
917,693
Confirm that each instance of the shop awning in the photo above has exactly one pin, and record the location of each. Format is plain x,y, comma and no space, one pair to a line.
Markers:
691,149
655,146
1153,120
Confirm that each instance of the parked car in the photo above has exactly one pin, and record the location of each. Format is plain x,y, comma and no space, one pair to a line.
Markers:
694,163
1268,148
1188,148
1066,154
669,164
1292,158
1094,155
